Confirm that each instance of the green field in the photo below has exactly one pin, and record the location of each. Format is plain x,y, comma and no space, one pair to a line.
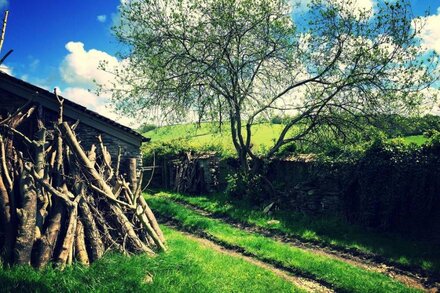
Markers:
208,135
415,139
187,267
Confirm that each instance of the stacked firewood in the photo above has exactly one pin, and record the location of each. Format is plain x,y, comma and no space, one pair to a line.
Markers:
60,203
186,179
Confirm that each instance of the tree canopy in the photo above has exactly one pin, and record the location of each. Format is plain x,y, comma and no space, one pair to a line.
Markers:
243,61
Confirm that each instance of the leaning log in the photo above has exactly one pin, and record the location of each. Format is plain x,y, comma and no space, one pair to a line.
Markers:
48,241
6,210
26,216
69,238
92,235
80,244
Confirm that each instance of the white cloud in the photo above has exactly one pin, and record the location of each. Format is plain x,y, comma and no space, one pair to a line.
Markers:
431,31
431,102
80,67
100,104
364,4
83,97
34,64
101,18
8,70
3,3
356,6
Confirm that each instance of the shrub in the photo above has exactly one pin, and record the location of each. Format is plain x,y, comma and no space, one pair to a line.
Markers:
277,120
145,128
246,186
163,150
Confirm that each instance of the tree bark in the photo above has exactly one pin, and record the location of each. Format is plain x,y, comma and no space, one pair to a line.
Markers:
151,218
40,163
49,239
26,219
92,234
133,174
66,248
80,244
6,213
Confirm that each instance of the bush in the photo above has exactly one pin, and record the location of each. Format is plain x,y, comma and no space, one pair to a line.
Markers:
246,186
286,150
163,150
395,186
145,128
277,120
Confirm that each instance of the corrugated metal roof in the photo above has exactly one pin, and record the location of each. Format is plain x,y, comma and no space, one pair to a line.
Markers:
68,102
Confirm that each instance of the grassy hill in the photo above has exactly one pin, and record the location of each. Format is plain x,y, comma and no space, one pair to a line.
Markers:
415,139
207,136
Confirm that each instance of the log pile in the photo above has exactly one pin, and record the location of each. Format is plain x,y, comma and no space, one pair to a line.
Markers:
60,203
195,174
186,175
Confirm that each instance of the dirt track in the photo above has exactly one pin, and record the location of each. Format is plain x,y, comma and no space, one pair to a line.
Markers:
410,278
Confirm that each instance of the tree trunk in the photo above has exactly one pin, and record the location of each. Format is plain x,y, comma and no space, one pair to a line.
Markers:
67,246
92,234
7,229
133,174
80,244
40,163
6,208
26,219
49,239
151,218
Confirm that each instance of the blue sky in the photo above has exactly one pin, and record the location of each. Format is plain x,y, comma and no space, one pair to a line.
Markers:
57,43
39,30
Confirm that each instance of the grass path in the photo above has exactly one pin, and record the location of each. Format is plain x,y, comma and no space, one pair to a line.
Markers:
190,265
405,277
340,275
308,285
416,256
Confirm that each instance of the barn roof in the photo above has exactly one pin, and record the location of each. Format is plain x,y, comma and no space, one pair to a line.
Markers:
72,110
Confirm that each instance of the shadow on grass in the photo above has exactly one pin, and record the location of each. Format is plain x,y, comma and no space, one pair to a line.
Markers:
13,284
414,254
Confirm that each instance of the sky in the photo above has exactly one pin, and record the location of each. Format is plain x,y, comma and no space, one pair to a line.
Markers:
59,43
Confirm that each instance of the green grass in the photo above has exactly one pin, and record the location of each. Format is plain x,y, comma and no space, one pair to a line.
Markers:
264,135
187,267
323,230
416,139
342,276
207,136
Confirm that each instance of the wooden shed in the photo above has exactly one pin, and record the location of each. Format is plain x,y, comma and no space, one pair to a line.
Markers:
14,93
